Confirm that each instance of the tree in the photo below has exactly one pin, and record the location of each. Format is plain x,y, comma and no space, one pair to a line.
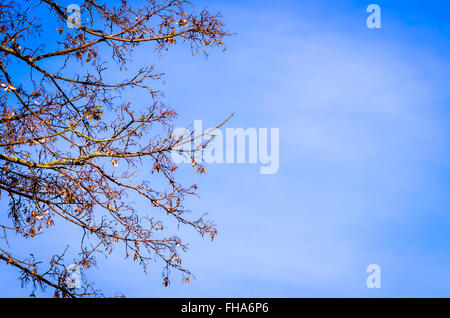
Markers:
64,160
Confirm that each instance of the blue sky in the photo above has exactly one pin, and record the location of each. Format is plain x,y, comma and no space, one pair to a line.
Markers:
364,154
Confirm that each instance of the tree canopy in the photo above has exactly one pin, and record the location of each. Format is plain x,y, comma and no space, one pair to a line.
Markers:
71,144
